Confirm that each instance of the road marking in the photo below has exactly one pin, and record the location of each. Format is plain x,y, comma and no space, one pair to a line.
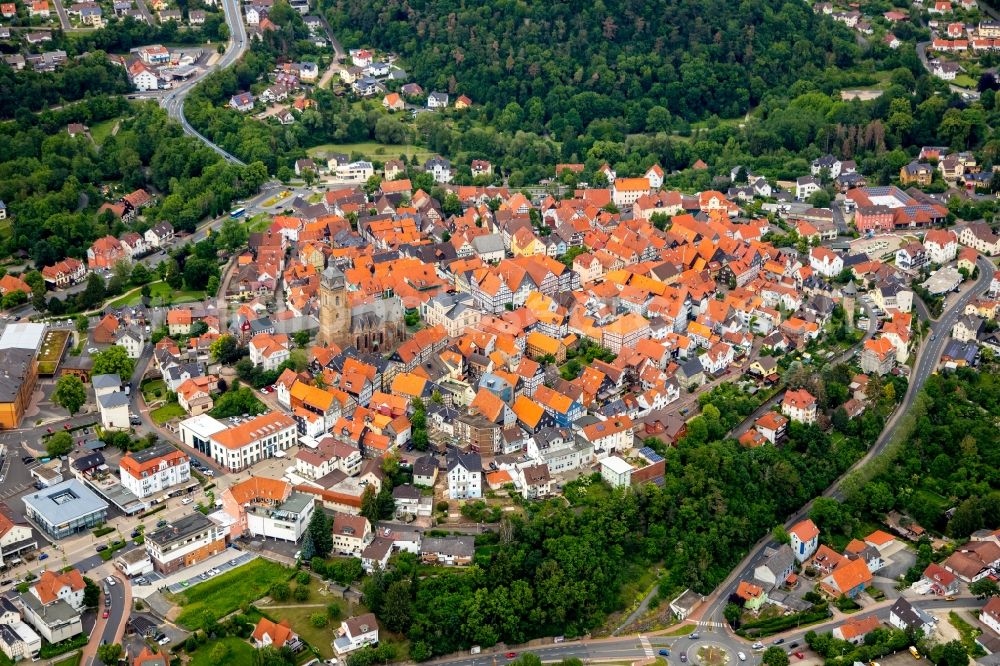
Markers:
711,623
646,647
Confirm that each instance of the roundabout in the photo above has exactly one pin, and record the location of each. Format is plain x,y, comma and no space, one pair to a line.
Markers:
710,654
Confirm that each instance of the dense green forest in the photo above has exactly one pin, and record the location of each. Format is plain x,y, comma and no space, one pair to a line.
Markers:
53,183
947,456
562,568
27,90
571,63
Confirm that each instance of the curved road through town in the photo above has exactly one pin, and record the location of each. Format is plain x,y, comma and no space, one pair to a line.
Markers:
926,361
237,46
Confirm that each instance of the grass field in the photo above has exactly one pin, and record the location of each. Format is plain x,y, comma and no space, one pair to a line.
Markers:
372,151
5,228
258,223
160,292
318,637
72,660
224,594
171,410
238,651
965,81
52,350
154,389
102,130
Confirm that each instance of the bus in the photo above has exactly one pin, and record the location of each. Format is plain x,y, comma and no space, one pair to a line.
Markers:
237,212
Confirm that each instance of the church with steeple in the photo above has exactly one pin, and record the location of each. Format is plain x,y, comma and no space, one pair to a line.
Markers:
377,326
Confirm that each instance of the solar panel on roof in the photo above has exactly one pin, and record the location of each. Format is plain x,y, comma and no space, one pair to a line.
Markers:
650,455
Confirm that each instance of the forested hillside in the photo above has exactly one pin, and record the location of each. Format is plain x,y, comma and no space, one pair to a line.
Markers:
585,60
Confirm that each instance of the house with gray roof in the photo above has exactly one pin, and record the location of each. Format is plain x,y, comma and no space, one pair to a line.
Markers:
776,568
450,550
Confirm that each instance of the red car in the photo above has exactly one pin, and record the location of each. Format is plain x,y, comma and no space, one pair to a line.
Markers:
510,655
65,426
105,614
48,429
800,655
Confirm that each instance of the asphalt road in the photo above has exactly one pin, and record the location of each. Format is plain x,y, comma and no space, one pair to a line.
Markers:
642,646
116,614
237,46
926,363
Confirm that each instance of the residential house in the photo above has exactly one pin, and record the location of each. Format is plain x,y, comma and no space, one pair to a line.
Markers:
799,405
356,633
465,476
804,537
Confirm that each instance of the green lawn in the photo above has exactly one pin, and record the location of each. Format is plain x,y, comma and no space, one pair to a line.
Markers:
964,81
102,130
239,651
72,660
171,410
224,594
318,637
258,223
154,389
161,294
5,228
372,151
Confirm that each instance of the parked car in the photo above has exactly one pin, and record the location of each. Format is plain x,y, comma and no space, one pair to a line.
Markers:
187,500
510,655
43,556
779,641
161,523
800,655
111,581
105,614
684,657
101,548
164,640
742,656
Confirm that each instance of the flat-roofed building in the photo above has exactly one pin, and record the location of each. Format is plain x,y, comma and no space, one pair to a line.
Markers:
185,542
65,509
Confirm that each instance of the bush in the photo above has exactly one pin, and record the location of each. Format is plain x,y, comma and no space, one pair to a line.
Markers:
219,653
302,578
441,506
318,620
101,531
301,593
50,650
280,592
334,612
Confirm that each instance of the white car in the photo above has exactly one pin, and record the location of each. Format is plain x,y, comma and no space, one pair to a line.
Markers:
187,500
742,656
164,640
111,580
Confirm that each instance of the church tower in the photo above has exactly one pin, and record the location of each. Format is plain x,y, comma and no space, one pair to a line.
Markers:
334,309
850,293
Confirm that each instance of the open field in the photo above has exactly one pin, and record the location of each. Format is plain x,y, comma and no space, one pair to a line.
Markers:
160,292
372,151
238,651
225,593
102,130
171,410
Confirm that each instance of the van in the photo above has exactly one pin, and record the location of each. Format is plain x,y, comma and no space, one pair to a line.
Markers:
742,656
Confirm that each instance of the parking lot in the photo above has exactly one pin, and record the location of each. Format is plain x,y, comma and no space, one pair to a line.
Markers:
219,563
